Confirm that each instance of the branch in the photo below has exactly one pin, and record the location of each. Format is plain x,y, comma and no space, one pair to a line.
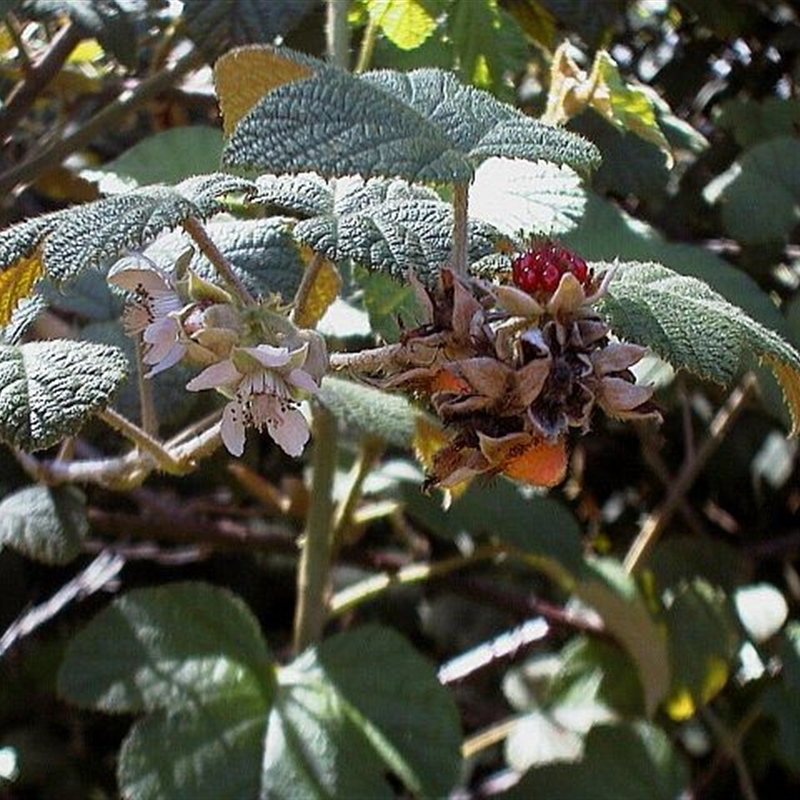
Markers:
37,76
108,118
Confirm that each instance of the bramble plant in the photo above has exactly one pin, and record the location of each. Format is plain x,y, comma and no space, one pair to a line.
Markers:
495,346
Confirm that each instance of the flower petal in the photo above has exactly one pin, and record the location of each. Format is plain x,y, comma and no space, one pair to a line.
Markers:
223,373
289,428
302,380
266,355
232,429
147,280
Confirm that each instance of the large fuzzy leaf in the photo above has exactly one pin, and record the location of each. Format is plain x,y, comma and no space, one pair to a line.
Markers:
49,389
390,226
694,328
64,244
423,126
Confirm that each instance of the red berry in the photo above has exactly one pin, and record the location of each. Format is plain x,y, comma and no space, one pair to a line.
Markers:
541,268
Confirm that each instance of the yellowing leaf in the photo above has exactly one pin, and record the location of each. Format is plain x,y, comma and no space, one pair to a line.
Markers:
789,379
16,284
682,705
244,75
626,106
322,292
87,51
406,23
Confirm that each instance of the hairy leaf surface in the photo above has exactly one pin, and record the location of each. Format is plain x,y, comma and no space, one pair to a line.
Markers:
49,389
423,126
694,328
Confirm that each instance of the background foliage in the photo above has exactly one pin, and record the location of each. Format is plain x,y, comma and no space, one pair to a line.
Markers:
632,634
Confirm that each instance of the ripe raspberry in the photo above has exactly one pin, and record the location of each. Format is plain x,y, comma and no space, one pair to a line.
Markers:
540,269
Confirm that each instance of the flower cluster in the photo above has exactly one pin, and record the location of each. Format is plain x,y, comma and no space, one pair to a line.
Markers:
510,372
193,320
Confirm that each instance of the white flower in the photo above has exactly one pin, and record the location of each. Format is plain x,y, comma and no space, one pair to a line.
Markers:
265,384
155,313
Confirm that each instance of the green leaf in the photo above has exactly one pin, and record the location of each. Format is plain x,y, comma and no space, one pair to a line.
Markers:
422,126
206,751
391,304
782,698
702,643
752,121
621,762
516,196
762,202
687,323
165,157
366,411
174,647
614,595
216,26
390,226
406,23
25,314
96,234
46,524
363,704
49,389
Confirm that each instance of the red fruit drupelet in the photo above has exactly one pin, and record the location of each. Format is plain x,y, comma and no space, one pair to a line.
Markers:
540,269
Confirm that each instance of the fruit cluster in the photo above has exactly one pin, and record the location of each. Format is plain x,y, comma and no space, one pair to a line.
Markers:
540,268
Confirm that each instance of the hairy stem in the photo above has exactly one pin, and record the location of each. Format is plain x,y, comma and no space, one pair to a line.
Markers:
313,570
654,525
364,361
107,119
337,33
460,228
197,231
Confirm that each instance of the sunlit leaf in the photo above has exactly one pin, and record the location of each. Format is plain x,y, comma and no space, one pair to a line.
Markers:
406,23
688,324
324,290
48,390
422,125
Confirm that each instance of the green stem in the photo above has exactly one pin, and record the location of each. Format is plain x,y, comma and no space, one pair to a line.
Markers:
337,33
460,228
369,452
109,118
195,229
367,46
372,587
315,557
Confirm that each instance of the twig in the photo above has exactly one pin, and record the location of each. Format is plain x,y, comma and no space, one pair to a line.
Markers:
104,568
367,46
107,119
460,228
364,361
313,571
195,229
37,76
656,522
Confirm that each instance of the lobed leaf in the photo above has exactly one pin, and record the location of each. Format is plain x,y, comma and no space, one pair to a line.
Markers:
688,324
49,389
422,126
303,195
43,523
